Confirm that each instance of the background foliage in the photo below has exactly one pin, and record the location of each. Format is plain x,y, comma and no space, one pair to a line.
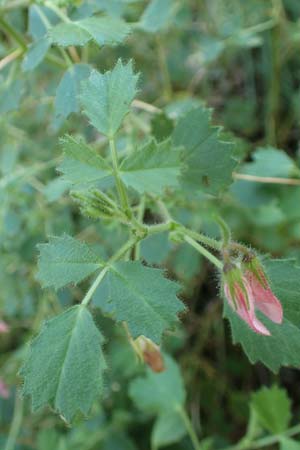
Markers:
240,58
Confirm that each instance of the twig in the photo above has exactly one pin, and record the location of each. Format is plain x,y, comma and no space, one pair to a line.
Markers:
269,180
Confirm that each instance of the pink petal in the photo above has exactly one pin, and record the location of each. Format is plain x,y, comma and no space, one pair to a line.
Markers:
4,391
247,315
4,328
265,300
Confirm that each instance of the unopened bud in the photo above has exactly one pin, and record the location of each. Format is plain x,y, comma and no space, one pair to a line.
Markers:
150,353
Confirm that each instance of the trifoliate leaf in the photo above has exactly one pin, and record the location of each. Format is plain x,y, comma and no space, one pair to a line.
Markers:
82,166
35,54
103,30
209,161
142,297
163,395
273,409
106,97
65,363
65,260
152,168
282,348
66,100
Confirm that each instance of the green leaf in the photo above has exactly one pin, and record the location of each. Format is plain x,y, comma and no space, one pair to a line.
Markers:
82,166
103,30
163,395
289,444
35,54
11,94
271,162
158,15
282,348
152,168
65,260
273,409
168,429
66,100
65,363
159,393
106,97
209,161
142,297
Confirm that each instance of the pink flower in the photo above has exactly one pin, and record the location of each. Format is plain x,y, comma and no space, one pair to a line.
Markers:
246,292
4,391
265,300
4,328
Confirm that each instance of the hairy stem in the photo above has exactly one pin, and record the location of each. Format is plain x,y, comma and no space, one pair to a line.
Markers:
204,252
124,249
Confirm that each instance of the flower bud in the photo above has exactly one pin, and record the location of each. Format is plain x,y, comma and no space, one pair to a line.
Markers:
150,353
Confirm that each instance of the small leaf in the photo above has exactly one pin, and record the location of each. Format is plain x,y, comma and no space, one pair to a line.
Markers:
106,97
143,298
65,260
282,348
159,393
158,15
65,363
103,30
273,409
168,429
209,161
35,54
152,168
163,395
66,100
82,166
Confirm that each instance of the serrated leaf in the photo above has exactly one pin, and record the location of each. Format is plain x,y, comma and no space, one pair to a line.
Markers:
152,168
82,166
282,348
65,363
159,393
65,260
66,100
106,97
103,30
209,161
273,409
142,297
35,54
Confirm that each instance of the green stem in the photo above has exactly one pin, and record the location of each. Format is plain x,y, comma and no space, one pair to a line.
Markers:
120,186
13,33
48,25
189,428
127,246
204,252
265,442
210,242
164,69
15,424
